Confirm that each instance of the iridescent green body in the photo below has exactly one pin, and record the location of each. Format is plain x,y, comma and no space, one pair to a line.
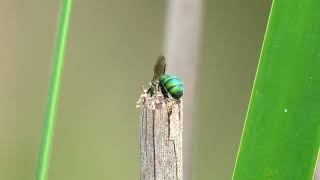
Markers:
171,84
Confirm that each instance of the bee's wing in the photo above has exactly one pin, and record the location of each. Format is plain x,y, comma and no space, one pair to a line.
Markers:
159,67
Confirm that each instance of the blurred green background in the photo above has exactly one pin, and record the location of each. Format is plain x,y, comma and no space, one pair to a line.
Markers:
111,50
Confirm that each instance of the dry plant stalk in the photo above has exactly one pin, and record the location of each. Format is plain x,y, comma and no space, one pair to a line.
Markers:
160,137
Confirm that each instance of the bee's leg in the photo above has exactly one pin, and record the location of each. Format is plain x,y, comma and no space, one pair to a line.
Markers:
151,89
164,91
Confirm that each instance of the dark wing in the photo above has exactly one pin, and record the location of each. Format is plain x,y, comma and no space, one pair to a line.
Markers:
159,68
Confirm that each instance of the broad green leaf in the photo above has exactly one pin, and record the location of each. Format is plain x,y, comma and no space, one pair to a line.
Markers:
282,131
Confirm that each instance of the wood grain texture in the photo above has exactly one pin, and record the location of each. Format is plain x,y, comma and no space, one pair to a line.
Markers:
160,138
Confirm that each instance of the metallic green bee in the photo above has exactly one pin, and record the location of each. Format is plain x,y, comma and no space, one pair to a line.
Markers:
169,84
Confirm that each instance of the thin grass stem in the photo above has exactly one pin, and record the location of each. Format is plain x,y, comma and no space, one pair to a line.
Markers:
49,122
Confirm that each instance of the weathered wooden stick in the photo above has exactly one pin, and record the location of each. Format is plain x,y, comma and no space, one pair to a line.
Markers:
160,138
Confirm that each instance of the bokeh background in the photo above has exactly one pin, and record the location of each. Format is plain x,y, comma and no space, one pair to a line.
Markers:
111,51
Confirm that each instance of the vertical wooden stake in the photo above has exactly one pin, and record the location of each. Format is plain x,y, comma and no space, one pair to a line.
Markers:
160,138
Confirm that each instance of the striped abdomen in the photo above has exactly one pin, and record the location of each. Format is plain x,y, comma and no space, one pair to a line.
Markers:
171,84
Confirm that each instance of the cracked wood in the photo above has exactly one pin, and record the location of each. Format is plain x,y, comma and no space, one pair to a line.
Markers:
160,138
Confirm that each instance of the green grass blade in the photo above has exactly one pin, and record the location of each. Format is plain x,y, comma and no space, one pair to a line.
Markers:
282,130
49,123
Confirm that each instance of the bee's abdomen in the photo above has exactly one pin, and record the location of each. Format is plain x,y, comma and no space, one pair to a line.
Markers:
172,85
